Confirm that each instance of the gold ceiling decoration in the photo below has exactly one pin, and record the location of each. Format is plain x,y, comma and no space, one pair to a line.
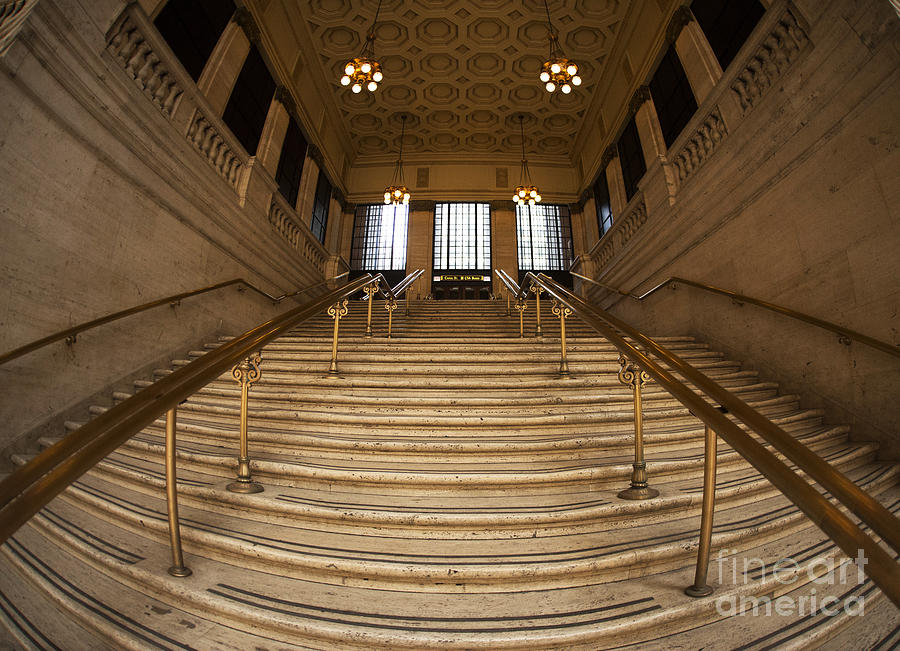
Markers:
364,71
526,191
396,192
558,71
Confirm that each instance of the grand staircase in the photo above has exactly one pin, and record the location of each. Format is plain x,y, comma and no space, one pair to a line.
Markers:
447,489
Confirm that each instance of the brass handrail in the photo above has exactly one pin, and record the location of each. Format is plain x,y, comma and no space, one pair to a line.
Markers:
71,333
881,567
24,492
841,331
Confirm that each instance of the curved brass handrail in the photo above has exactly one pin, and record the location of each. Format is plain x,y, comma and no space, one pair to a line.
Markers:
24,492
394,293
71,333
882,567
852,335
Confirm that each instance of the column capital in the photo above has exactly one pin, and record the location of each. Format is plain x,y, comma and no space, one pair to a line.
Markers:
611,152
313,152
245,21
283,95
677,22
641,95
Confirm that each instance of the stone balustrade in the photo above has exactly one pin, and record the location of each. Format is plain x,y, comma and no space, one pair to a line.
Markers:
699,145
12,17
283,220
209,142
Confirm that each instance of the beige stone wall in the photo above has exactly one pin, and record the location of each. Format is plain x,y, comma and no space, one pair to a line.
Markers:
796,204
108,201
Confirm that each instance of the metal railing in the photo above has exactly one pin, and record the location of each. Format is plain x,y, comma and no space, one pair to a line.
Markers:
28,489
850,537
845,335
70,334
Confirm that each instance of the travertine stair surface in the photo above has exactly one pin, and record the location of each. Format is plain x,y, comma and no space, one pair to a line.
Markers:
447,489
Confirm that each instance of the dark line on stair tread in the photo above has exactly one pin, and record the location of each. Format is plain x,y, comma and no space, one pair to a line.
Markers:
24,625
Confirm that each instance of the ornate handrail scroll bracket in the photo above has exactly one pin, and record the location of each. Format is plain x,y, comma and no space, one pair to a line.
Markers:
337,312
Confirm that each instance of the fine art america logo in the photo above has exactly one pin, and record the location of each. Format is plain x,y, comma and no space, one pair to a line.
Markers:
821,572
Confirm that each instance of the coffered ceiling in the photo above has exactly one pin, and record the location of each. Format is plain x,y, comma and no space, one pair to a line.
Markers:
461,70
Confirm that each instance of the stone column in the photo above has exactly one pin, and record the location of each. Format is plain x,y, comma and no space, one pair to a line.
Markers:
271,141
420,242
659,182
586,216
697,58
308,180
504,242
217,79
616,182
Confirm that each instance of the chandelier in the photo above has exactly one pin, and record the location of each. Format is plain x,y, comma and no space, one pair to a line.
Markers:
364,71
558,71
396,192
526,191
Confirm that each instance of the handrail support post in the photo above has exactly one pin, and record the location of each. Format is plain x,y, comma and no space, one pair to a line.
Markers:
562,312
178,567
630,374
538,290
390,305
370,291
700,588
337,312
521,307
246,373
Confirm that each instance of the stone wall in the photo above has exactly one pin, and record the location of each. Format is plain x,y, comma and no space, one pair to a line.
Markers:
121,186
785,187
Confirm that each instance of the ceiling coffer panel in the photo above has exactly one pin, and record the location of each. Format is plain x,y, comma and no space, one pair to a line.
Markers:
465,69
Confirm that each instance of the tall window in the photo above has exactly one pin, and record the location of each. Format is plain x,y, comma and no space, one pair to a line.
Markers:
672,96
545,237
322,202
192,28
603,203
462,236
379,238
727,24
247,108
290,165
632,158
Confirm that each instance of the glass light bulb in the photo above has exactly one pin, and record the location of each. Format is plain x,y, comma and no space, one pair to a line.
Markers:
572,69
566,88
521,193
521,203
377,76
545,76
356,88
550,86
405,199
531,202
349,69
397,193
516,198
372,86
555,68
366,67
387,195
538,198
576,80
345,80
533,193
387,200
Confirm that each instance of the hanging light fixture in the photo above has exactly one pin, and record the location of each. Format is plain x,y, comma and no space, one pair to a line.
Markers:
526,191
558,71
364,71
396,192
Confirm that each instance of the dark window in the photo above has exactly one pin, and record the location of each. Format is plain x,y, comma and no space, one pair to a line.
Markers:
727,24
379,238
192,28
248,105
320,207
290,165
632,158
544,235
602,202
462,236
672,96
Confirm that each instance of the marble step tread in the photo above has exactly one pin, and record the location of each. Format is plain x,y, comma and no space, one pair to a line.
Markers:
563,559
297,611
90,609
593,508
383,345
